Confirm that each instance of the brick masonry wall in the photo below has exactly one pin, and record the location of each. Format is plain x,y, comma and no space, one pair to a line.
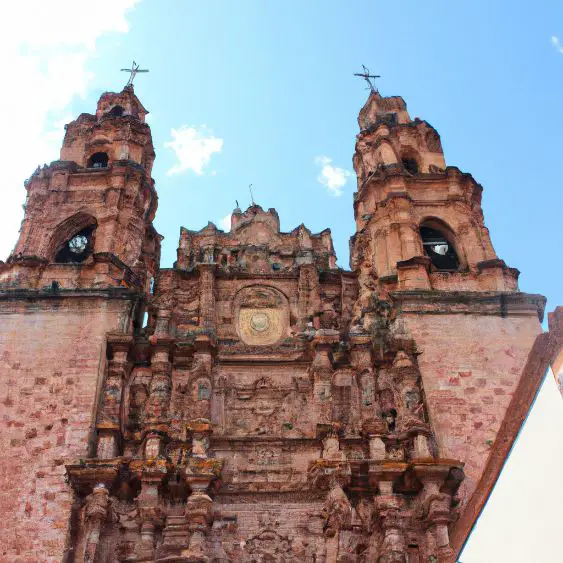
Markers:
52,358
471,366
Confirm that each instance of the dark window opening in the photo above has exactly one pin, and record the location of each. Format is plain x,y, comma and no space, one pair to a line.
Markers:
387,118
77,248
116,111
410,165
98,160
438,249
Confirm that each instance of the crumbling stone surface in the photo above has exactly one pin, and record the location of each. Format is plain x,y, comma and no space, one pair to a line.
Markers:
272,406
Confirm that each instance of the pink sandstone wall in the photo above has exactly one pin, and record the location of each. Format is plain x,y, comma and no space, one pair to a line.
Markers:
471,366
50,367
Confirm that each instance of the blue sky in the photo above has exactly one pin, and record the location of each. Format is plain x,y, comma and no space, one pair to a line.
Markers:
263,92
274,81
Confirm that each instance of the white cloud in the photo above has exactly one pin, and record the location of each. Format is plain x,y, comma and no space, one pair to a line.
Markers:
193,148
557,44
225,223
332,177
46,48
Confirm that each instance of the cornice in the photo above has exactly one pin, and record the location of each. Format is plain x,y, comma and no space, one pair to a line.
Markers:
22,294
496,303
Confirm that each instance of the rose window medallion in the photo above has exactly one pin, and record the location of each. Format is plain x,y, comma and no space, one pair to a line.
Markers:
260,322
262,315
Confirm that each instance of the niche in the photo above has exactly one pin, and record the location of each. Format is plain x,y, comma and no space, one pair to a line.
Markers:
98,160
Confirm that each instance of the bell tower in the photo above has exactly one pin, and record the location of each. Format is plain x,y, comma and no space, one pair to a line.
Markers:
88,216
419,222
421,247
82,268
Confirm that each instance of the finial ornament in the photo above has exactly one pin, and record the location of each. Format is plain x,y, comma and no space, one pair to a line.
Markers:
368,78
133,72
251,194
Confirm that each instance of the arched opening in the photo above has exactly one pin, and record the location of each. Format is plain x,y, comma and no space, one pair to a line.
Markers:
98,160
439,248
78,247
410,165
116,111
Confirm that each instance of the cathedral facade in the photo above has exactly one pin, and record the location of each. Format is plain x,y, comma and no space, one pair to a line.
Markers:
255,402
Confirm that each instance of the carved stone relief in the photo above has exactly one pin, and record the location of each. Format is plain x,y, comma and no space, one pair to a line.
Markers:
262,315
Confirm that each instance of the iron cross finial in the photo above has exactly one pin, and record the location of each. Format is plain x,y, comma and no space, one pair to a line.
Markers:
133,72
368,78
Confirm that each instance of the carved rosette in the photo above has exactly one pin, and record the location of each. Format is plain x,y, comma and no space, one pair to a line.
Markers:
262,315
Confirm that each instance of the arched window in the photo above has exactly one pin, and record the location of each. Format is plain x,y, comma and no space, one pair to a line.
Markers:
115,111
78,247
410,165
438,247
98,160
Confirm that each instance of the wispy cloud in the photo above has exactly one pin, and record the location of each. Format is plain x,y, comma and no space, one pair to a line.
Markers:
225,223
556,44
193,147
47,57
332,177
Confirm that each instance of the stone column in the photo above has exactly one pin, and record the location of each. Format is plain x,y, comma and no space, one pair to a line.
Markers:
201,472
437,510
438,519
150,512
374,431
95,514
309,294
394,246
162,328
412,241
207,295
109,419
218,404
361,361
380,253
158,402
388,507
321,369
199,517
338,513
